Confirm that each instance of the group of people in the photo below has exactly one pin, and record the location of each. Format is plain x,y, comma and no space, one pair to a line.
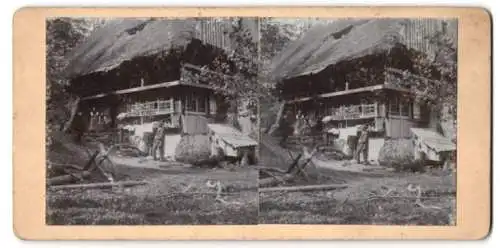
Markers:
98,120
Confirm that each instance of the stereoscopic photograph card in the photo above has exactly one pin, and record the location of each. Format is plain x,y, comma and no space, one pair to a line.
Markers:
246,123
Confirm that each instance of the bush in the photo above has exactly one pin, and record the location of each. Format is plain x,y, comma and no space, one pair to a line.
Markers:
399,154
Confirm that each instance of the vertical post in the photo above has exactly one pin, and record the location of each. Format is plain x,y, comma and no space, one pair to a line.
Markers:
171,104
196,102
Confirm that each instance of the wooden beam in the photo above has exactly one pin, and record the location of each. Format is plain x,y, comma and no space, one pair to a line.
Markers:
271,181
304,188
67,178
147,87
136,89
351,91
98,185
269,169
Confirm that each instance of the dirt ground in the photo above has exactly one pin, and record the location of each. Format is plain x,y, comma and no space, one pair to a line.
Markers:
384,200
176,195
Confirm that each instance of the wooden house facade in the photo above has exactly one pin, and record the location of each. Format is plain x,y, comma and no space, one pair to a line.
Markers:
360,72
132,72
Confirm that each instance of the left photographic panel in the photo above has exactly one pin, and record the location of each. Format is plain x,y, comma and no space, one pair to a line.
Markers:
151,121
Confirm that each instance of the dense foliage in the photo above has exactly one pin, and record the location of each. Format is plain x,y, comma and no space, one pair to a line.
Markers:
62,35
442,66
234,74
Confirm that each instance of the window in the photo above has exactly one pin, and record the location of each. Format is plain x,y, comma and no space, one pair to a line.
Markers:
405,108
190,103
202,104
394,106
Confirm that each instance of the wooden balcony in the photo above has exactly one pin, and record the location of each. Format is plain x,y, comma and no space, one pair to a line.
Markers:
152,108
354,112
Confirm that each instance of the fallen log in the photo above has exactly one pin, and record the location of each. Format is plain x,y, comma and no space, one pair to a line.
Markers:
304,188
65,166
271,181
98,185
269,174
67,178
264,168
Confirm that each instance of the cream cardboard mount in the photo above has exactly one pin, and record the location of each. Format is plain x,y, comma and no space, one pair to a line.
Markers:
233,163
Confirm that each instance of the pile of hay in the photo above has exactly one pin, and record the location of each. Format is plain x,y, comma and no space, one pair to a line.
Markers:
193,149
399,154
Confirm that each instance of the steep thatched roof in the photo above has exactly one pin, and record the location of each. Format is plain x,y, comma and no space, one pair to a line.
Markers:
332,43
124,39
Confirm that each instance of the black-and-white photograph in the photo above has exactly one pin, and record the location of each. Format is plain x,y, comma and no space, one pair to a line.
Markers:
360,123
152,121
158,121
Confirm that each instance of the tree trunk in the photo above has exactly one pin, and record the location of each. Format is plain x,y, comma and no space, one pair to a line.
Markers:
279,115
74,110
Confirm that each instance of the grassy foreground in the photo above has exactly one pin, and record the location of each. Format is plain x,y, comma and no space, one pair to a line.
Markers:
368,201
178,198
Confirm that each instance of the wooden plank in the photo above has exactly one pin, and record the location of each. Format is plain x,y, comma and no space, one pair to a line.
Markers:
304,188
98,185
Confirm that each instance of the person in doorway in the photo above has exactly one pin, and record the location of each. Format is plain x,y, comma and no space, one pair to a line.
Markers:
362,146
159,140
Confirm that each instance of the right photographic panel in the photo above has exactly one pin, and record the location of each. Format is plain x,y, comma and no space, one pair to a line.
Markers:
359,122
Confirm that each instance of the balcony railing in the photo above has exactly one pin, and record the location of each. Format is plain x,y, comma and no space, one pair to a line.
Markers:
151,108
354,112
